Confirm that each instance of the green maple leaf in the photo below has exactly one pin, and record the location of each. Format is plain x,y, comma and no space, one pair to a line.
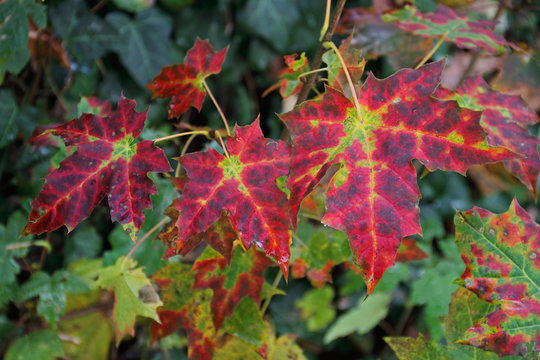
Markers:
133,292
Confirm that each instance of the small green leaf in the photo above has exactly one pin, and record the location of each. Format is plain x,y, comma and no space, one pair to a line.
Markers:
246,322
371,311
133,294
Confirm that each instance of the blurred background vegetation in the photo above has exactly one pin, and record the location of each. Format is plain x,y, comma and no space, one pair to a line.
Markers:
52,53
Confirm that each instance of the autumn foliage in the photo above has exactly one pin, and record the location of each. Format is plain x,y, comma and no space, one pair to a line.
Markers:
356,150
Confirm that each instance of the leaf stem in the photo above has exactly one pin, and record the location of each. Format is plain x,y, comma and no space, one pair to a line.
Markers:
223,146
141,240
431,52
197,132
326,19
26,244
217,107
183,152
275,283
347,75
312,72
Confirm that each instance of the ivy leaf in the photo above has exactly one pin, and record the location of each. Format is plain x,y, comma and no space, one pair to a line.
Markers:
373,197
133,292
502,258
289,83
14,29
321,253
183,82
52,292
9,235
41,344
107,162
505,118
456,28
142,43
245,186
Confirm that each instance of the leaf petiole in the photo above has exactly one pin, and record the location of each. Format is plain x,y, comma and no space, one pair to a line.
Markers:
431,52
275,284
223,146
217,107
197,132
154,228
26,244
312,72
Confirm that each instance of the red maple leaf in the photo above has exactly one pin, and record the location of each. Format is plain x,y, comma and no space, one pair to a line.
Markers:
183,83
245,186
108,161
289,82
505,119
373,197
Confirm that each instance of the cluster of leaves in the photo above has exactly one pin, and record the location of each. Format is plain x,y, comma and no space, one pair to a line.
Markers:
260,204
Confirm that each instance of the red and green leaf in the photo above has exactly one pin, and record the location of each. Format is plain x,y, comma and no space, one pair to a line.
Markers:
230,284
184,307
355,62
244,186
109,162
505,119
199,299
183,83
373,197
456,28
502,258
289,83
220,236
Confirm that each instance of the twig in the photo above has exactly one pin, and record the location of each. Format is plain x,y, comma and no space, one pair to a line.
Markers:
317,60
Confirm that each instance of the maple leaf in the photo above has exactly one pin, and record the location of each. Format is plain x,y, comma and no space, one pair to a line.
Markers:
199,299
183,83
373,197
454,27
289,83
502,258
505,118
107,162
244,186
130,286
220,236
355,62
244,277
